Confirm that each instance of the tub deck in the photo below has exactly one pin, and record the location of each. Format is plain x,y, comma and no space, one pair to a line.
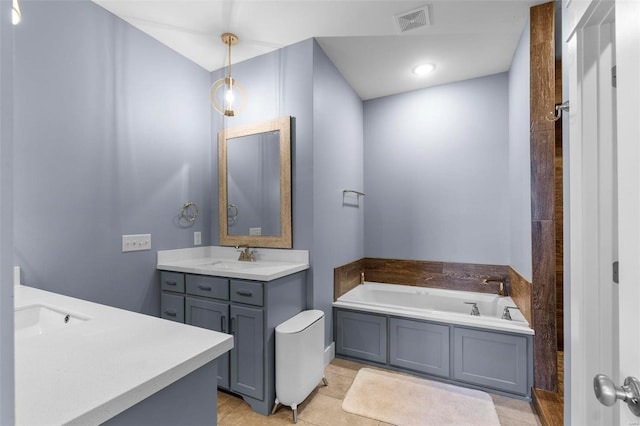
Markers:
448,306
431,332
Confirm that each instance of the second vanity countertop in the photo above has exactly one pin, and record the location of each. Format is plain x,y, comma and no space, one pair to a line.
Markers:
89,371
269,265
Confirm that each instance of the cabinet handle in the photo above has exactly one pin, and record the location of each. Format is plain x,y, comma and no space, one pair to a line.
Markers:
223,324
204,287
171,283
170,313
244,293
233,323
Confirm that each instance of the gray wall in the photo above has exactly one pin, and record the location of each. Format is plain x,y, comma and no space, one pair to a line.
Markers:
301,81
277,84
111,128
520,158
436,173
95,161
6,217
114,133
338,150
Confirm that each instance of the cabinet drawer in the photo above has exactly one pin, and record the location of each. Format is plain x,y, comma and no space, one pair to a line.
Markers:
247,292
202,285
172,281
172,307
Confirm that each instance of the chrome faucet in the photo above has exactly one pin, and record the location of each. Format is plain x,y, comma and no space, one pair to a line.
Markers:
500,280
474,309
506,315
246,254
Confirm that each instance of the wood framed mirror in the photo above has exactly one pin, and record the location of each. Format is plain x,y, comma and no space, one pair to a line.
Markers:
254,176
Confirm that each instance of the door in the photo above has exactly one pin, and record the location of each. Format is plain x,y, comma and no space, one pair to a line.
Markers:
419,346
628,128
213,316
247,355
604,203
362,336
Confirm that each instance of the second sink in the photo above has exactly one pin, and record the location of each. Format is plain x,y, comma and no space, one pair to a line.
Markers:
38,319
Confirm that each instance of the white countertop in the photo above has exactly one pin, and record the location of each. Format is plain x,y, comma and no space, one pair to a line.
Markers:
221,261
88,372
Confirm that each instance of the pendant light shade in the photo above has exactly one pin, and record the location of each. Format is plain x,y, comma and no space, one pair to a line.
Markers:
227,95
16,14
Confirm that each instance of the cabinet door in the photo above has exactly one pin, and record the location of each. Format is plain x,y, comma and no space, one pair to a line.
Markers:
247,355
361,335
172,307
213,316
491,359
419,346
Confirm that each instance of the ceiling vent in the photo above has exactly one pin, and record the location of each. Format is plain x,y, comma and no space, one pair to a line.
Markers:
413,19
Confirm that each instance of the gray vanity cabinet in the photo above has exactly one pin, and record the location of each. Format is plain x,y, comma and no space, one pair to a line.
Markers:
419,346
214,316
250,311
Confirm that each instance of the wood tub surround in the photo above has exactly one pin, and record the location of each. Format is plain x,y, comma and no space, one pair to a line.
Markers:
559,215
420,273
521,293
543,213
347,277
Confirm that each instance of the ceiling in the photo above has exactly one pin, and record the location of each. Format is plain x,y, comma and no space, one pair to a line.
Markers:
465,39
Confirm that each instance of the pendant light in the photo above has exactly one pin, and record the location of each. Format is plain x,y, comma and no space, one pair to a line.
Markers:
16,15
232,98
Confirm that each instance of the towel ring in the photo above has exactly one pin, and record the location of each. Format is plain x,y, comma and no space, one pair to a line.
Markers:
232,217
189,212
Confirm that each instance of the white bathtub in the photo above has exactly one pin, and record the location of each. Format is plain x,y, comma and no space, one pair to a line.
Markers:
435,304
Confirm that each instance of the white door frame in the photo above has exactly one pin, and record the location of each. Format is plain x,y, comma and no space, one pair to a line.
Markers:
628,128
590,214
603,321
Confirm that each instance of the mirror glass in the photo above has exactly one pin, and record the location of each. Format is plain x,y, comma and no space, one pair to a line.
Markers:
255,184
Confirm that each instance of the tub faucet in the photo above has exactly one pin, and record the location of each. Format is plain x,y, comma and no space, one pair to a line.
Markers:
246,254
501,289
506,315
474,309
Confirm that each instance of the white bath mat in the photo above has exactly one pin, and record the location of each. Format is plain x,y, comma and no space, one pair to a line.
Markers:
405,400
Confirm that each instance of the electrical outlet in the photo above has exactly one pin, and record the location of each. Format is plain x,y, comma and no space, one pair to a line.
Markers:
197,238
136,242
255,231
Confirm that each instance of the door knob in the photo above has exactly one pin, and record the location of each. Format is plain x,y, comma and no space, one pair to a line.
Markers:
608,393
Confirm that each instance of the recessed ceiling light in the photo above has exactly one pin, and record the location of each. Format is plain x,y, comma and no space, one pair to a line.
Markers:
424,69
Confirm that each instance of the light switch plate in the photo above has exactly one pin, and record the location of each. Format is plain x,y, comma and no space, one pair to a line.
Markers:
255,231
197,238
136,242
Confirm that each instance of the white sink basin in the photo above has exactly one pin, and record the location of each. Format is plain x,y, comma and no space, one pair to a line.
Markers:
236,265
37,319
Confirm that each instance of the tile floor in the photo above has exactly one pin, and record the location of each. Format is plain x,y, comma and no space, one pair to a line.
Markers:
324,406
